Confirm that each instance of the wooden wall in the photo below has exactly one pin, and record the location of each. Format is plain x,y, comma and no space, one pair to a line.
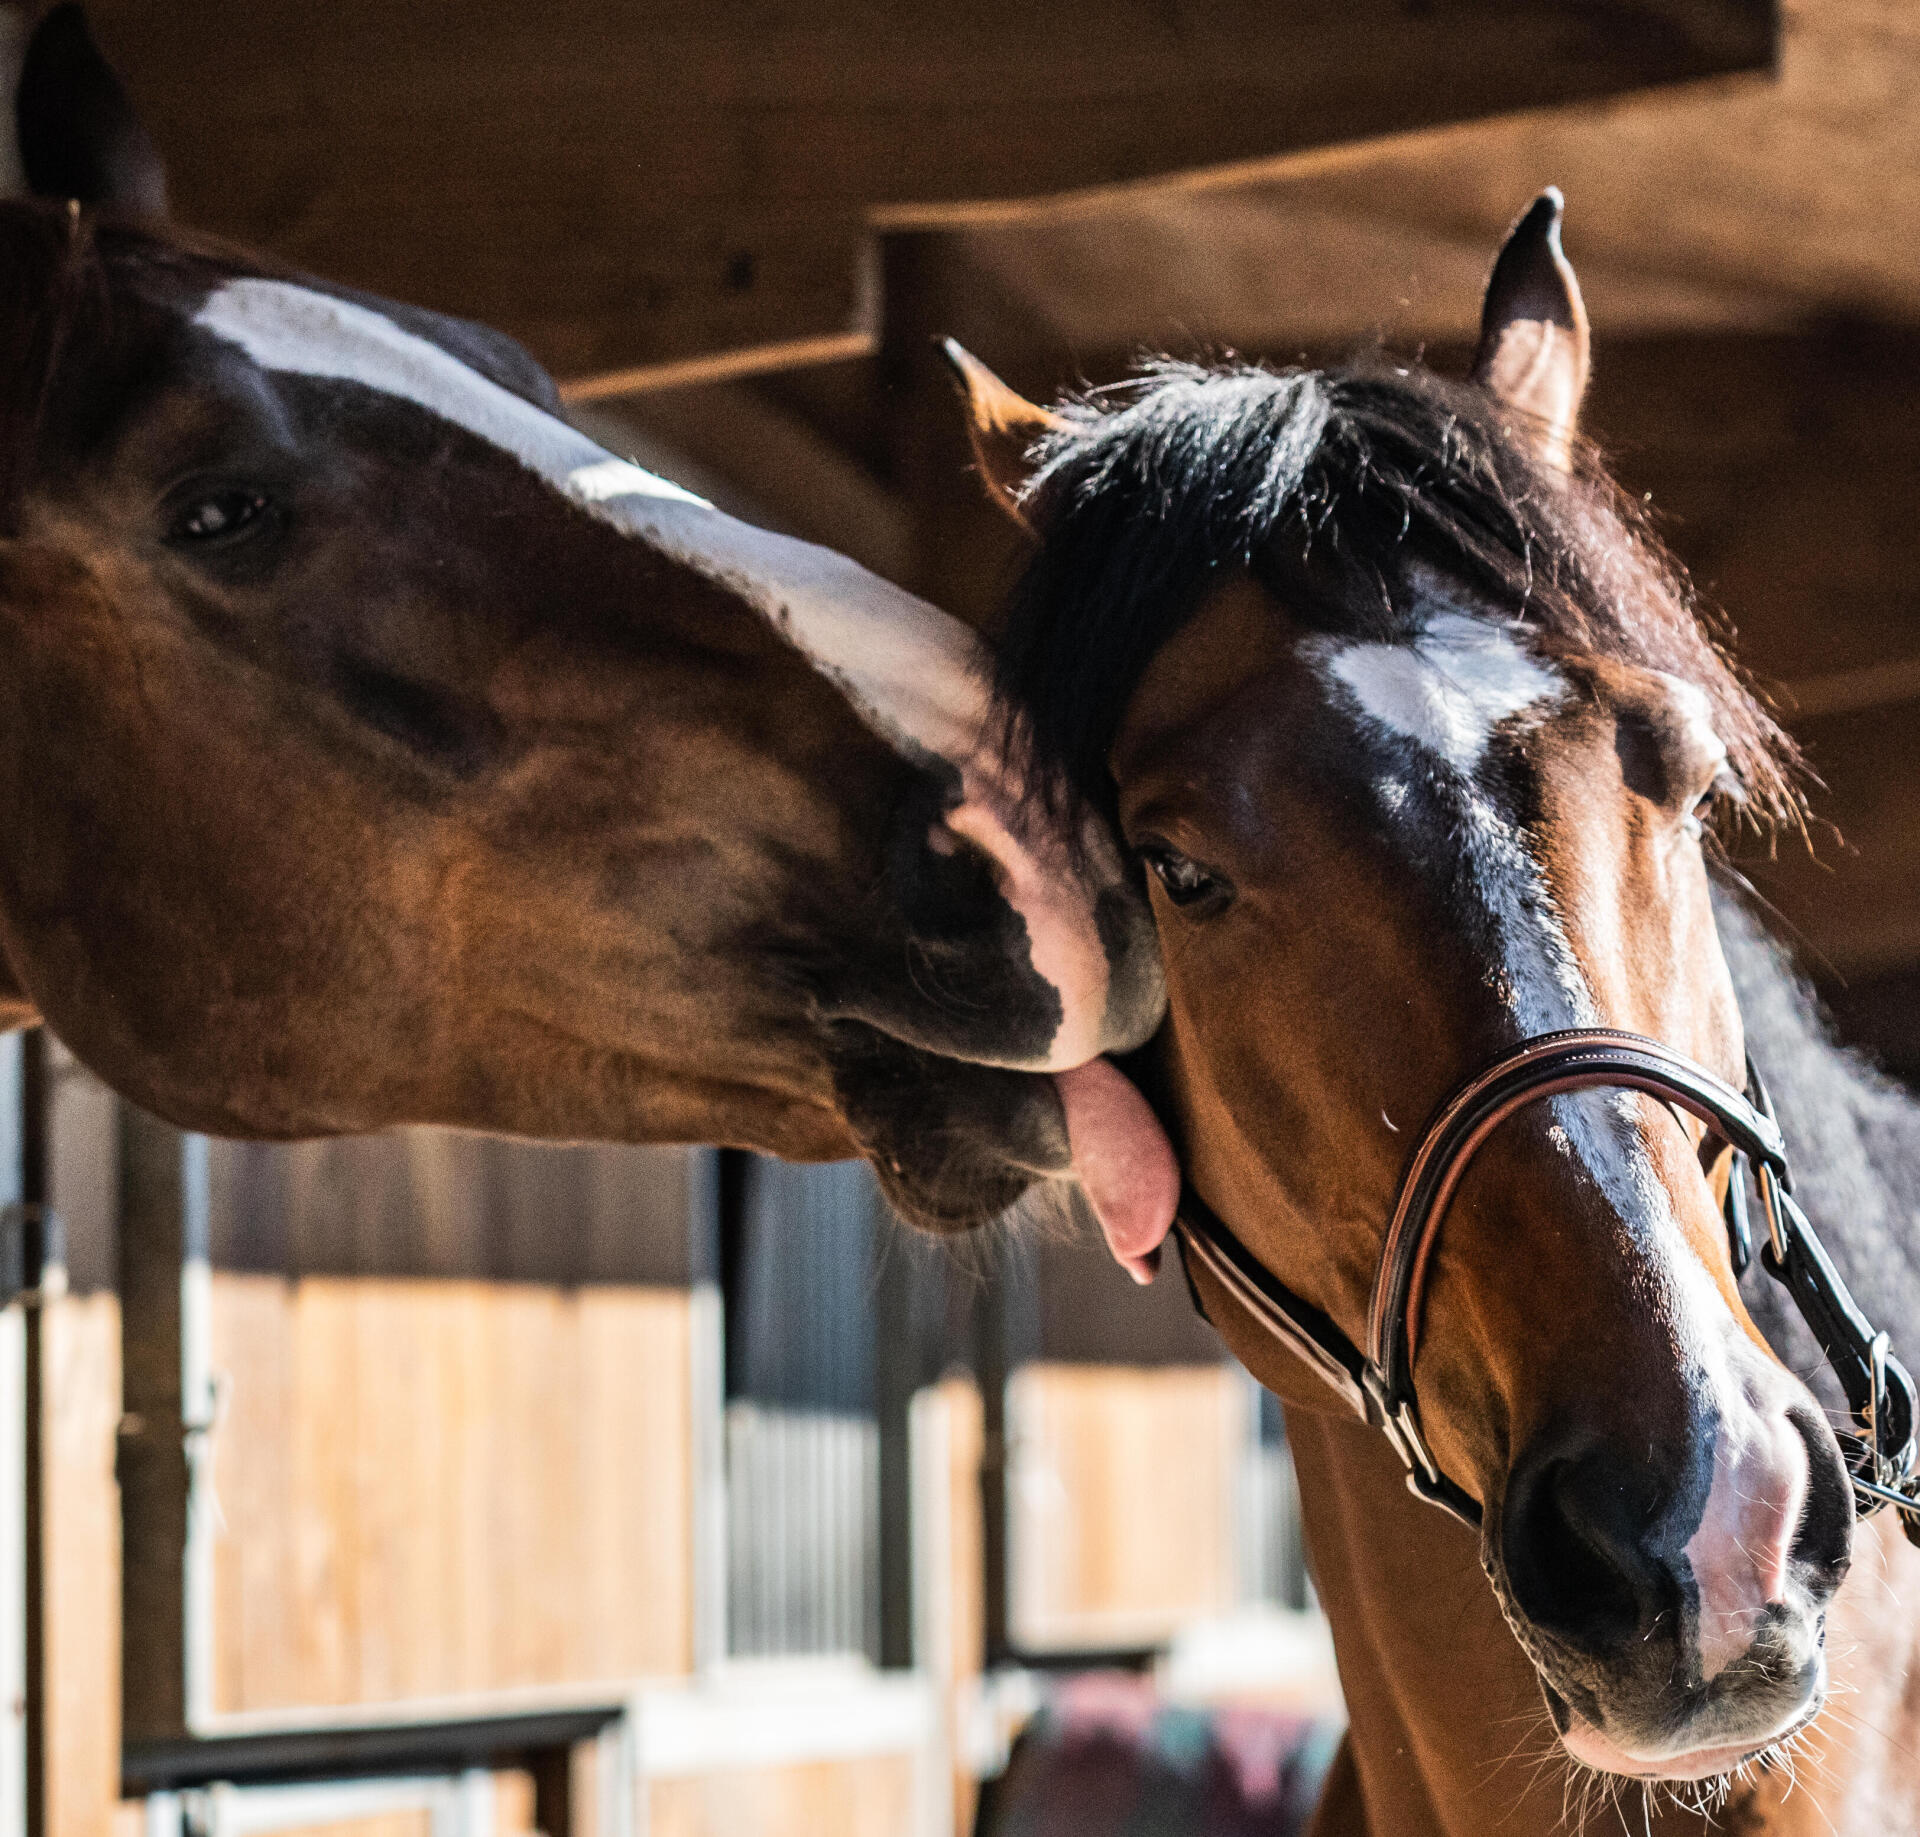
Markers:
1121,1489
430,1489
870,1797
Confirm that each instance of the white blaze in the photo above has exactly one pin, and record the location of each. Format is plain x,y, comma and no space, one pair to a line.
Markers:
1449,690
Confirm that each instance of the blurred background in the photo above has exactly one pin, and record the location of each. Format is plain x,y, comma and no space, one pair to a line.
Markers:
428,1484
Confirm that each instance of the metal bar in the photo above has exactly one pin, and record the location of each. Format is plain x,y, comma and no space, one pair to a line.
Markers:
495,1742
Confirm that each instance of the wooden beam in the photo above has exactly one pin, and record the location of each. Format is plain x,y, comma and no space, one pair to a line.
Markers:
1780,467
1804,187
634,186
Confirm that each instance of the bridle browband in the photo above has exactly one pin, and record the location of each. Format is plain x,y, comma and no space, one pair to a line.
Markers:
1377,1383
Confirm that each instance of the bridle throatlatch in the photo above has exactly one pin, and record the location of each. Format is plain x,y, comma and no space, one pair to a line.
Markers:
1378,1382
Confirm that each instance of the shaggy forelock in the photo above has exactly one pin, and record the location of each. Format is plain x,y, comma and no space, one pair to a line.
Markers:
1330,486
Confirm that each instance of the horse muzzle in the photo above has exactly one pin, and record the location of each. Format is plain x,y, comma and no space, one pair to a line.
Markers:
1677,1637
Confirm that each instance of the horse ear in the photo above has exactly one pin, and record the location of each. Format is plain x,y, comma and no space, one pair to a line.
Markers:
79,136
1002,426
1533,331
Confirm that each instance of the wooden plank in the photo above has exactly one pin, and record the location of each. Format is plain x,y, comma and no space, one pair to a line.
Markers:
432,1202
443,1489
948,1436
649,184
1121,1495
1802,187
80,1347
851,1798
389,1824
1781,467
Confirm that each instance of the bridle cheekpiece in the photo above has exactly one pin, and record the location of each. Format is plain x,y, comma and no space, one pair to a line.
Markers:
1377,1382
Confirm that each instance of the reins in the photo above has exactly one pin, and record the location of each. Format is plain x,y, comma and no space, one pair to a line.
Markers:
1377,1381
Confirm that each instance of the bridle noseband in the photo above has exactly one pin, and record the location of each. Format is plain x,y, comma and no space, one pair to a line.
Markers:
1377,1383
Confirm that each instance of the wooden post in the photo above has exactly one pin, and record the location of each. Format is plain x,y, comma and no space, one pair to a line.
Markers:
895,1378
22,1187
36,1241
965,554
552,1771
162,1245
991,1364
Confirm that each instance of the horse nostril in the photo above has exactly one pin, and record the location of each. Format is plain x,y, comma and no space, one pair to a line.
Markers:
1823,1538
1570,1541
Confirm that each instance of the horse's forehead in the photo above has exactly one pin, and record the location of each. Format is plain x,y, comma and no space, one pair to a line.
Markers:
911,672
1448,687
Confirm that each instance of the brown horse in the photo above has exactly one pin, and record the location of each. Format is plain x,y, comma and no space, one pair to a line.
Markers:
377,749
1418,734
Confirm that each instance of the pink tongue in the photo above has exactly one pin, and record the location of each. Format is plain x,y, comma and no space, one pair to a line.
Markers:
1123,1161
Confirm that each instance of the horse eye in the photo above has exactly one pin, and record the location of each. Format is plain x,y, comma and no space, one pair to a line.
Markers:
1696,820
1186,882
219,516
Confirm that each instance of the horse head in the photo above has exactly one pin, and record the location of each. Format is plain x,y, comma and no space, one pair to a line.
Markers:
1419,737
378,749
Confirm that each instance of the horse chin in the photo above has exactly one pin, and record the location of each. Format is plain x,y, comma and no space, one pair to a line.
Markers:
1593,1748
954,1145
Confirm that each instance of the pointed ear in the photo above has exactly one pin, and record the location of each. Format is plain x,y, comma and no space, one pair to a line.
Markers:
1533,331
79,136
1002,427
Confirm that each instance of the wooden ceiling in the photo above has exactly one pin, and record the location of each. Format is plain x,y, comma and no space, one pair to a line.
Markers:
643,186
1741,201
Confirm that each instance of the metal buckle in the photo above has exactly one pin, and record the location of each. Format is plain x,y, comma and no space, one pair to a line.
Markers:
1398,1423
1770,1191
1421,1455
1877,1373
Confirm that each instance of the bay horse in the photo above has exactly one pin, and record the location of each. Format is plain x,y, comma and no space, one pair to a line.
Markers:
377,749
1415,729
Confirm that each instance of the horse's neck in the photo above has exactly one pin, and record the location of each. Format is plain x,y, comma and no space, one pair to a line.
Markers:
1855,1142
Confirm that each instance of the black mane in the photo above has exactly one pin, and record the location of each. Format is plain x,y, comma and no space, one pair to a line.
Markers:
1329,485
1855,1141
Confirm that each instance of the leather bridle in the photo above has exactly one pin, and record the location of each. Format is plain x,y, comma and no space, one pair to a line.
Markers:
1377,1382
